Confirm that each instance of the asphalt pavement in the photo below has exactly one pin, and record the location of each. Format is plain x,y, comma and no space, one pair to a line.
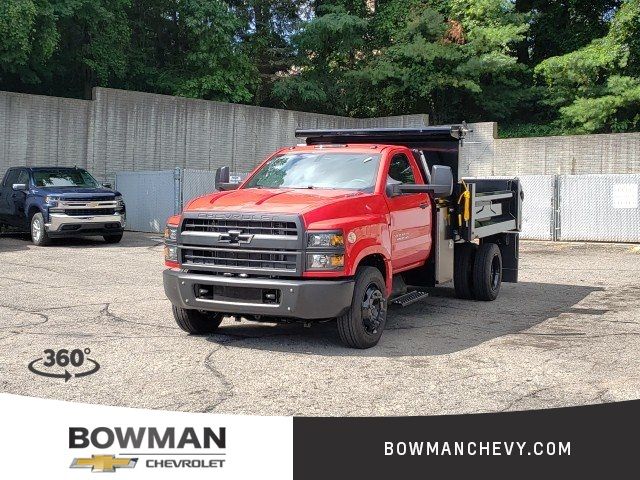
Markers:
567,334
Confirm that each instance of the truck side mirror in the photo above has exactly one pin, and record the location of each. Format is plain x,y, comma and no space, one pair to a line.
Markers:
20,187
442,180
393,189
222,180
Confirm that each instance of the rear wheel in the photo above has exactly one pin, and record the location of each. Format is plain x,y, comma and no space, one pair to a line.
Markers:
464,258
113,238
364,322
487,272
197,321
38,231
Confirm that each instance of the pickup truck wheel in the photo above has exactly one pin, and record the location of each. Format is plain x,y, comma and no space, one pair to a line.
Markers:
113,238
464,258
197,321
487,272
38,232
364,322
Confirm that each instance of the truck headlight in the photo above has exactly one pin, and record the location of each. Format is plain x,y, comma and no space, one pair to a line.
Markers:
325,239
171,253
120,201
170,233
52,200
325,261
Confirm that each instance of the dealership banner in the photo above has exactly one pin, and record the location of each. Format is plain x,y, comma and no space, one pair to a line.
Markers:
42,438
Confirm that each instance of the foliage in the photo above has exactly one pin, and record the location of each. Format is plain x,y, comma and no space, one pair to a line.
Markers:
537,67
597,88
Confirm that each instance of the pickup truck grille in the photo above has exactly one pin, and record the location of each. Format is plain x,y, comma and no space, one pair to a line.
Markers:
84,212
252,259
249,226
103,198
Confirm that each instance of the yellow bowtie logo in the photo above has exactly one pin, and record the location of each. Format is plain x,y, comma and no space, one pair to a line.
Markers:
103,463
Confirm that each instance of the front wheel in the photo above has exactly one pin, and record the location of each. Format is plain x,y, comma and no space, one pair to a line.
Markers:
364,322
197,321
39,235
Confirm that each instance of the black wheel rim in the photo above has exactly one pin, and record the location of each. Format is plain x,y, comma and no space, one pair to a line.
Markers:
373,307
495,273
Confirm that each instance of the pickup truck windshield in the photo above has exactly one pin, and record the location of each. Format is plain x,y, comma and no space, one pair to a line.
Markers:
340,170
64,178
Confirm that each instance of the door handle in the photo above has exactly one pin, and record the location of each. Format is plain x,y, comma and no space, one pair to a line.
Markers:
424,205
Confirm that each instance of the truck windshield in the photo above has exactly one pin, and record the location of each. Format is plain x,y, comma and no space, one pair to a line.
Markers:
339,170
64,178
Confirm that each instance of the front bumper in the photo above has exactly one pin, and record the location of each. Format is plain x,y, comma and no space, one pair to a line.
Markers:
62,224
303,299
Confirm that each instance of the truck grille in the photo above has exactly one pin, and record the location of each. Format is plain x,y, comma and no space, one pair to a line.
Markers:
103,198
254,227
84,212
282,261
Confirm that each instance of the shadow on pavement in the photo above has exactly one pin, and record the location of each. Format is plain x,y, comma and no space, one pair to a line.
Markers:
18,241
438,325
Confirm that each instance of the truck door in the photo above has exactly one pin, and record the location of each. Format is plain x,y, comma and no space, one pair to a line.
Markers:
19,199
6,199
410,216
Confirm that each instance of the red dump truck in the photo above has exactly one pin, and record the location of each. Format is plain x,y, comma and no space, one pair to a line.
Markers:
340,227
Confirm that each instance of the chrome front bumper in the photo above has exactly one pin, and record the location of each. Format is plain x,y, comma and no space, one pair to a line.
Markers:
84,223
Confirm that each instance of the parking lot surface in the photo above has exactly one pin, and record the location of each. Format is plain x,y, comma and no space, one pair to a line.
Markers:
567,334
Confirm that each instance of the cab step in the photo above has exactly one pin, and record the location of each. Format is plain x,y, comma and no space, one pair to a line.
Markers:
409,298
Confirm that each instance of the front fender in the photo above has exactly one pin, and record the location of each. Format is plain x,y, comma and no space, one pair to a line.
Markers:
370,240
35,202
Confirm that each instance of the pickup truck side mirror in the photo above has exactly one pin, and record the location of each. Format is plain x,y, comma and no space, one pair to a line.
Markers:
106,185
441,184
222,180
20,187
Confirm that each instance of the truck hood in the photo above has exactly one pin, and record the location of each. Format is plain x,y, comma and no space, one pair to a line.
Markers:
70,192
270,200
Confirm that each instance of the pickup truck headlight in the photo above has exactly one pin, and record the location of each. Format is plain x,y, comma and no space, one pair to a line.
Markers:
325,239
52,200
120,202
170,253
325,261
170,233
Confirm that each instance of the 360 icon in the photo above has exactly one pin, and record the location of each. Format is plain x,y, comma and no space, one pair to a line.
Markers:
76,360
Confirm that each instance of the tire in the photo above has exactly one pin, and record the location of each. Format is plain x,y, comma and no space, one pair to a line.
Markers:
39,235
487,272
362,327
197,322
113,238
464,257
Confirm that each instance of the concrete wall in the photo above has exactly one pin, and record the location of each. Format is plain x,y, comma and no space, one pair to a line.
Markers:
485,154
131,131
38,130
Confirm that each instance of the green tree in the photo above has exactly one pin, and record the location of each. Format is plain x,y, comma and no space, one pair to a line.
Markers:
597,88
28,38
265,29
330,49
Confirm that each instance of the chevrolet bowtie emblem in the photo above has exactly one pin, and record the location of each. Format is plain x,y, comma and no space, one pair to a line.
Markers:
103,463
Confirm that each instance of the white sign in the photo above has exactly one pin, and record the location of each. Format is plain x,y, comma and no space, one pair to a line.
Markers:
625,195
43,438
